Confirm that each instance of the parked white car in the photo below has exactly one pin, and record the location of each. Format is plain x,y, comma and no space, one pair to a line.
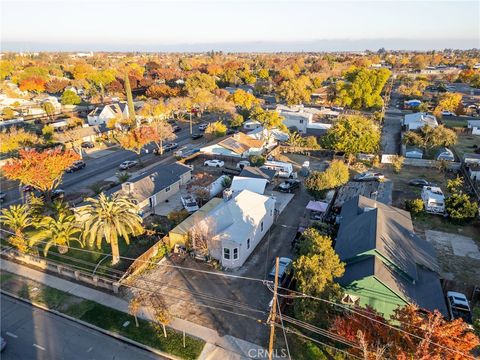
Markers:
189,203
369,176
214,163
448,113
127,165
458,307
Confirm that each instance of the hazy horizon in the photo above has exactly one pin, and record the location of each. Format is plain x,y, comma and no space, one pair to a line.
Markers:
238,26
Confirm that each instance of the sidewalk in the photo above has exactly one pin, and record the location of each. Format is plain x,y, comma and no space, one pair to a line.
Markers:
217,347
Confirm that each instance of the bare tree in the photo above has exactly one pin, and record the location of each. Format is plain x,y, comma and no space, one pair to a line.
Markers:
200,237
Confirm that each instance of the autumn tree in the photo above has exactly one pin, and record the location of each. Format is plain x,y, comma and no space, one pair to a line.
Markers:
353,134
157,114
296,91
430,137
318,183
269,119
69,97
56,86
34,83
49,109
161,91
449,102
416,335
244,99
42,170
16,138
135,139
199,81
216,129
361,89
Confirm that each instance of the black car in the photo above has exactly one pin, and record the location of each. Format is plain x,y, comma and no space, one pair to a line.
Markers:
176,128
196,136
88,145
77,165
289,185
420,182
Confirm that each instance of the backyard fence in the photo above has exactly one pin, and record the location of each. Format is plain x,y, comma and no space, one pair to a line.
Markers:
63,270
388,159
143,260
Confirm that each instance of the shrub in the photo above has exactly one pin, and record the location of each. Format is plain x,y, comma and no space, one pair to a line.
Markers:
318,183
176,217
257,160
397,163
460,208
415,206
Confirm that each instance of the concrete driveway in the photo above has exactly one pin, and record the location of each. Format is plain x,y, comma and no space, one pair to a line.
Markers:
232,306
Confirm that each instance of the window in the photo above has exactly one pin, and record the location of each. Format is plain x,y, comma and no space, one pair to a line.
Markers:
261,226
301,121
248,243
167,189
226,253
235,253
271,212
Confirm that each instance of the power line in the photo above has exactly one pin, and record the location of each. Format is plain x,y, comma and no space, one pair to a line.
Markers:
283,328
379,321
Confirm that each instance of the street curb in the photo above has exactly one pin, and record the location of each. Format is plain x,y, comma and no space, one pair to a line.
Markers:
94,327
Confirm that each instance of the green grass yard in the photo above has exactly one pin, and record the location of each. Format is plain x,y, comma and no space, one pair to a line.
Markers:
465,144
147,333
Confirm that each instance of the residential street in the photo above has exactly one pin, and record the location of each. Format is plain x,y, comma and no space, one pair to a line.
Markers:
35,334
104,167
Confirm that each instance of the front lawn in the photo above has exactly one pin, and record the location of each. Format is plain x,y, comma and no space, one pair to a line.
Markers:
465,144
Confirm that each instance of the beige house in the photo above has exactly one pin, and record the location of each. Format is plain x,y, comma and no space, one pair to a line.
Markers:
155,185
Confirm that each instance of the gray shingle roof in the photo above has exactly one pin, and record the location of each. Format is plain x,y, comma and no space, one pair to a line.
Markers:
377,239
153,181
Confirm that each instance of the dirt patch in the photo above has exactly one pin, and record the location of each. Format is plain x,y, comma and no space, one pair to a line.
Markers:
458,256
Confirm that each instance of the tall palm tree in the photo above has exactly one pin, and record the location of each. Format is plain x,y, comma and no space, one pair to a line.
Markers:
59,232
110,218
16,218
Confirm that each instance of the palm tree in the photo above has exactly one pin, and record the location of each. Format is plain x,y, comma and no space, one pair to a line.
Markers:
16,218
57,232
110,218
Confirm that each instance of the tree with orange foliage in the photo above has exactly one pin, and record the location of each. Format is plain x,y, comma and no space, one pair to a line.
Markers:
137,138
418,335
42,170
32,83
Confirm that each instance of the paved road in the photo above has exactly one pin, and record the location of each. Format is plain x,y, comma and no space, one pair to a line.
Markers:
104,167
35,334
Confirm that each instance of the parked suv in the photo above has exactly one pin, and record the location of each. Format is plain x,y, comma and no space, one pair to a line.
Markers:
77,165
458,307
289,185
283,270
214,163
88,145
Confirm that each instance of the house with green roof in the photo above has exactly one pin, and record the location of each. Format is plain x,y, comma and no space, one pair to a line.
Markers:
386,264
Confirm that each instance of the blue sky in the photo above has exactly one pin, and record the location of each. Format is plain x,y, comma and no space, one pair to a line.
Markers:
238,25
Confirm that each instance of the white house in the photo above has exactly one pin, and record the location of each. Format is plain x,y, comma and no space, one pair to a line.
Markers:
236,226
433,199
474,171
251,125
474,125
471,159
240,183
418,120
295,117
271,137
101,115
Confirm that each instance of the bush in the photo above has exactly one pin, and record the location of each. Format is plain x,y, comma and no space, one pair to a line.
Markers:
397,163
460,208
176,217
257,160
415,206
318,183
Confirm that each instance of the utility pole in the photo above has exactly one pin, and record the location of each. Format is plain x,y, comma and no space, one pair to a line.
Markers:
190,122
273,313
